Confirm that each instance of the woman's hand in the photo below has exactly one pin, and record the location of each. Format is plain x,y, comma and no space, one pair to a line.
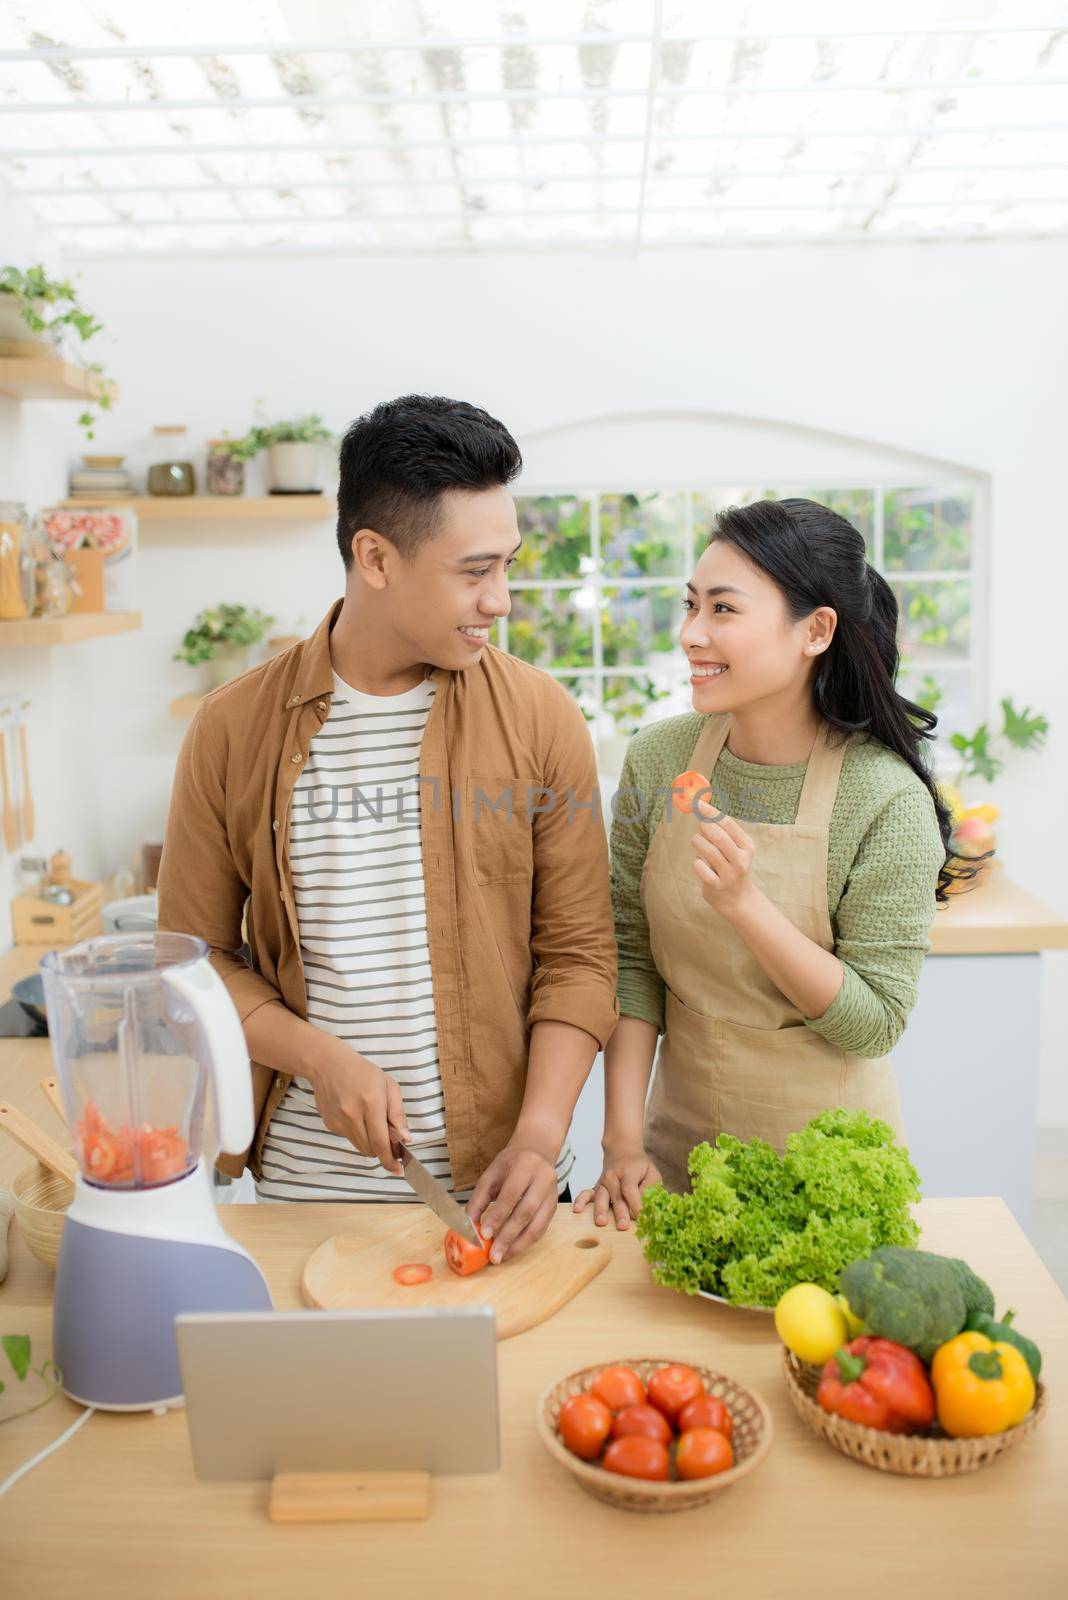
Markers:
723,855
627,1171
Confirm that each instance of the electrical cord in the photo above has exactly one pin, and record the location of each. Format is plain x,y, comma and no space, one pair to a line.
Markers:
28,1466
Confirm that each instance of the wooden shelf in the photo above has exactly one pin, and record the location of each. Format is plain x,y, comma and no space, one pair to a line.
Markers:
221,508
185,706
73,629
49,378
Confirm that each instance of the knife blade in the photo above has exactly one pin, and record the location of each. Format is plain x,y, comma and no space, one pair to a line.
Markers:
434,1194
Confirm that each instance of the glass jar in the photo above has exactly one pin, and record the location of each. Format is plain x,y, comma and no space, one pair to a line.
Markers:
169,473
12,586
226,473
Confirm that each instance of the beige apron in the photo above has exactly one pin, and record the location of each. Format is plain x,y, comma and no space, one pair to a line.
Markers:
736,1056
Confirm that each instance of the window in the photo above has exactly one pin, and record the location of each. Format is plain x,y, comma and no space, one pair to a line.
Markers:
598,586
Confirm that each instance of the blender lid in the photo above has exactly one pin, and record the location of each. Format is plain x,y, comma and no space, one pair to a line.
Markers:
134,958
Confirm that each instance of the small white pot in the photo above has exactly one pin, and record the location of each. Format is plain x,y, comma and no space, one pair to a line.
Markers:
295,467
14,329
227,661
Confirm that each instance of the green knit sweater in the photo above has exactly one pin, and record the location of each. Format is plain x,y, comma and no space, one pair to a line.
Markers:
882,869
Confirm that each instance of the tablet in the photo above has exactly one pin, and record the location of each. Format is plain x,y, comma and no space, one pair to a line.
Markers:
340,1391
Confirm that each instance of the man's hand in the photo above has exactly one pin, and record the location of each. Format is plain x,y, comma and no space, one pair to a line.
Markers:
357,1099
627,1172
514,1200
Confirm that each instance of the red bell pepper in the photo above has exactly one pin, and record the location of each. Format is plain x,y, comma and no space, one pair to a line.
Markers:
878,1383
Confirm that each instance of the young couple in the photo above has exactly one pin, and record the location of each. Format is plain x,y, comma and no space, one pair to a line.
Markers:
407,820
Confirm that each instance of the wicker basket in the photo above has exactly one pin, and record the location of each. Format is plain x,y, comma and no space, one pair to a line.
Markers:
41,1200
751,1441
915,1455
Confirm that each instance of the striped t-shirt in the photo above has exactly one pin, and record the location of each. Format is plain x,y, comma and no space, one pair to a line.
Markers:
356,854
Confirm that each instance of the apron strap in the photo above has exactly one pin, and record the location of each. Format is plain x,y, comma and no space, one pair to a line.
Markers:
821,780
821,775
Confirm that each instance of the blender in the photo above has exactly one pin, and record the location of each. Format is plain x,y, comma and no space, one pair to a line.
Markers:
140,1025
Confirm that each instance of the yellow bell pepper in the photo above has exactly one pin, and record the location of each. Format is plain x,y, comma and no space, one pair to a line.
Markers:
980,1387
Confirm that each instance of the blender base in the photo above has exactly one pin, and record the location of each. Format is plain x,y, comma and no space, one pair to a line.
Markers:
123,1276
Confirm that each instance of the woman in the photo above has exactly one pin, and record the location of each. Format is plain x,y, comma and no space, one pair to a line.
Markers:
775,937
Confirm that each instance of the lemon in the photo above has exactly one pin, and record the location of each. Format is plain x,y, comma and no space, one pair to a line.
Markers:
811,1323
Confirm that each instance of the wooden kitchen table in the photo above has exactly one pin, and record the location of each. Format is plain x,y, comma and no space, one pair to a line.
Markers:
118,1510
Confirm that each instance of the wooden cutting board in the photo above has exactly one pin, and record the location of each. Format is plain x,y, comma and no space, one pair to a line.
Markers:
351,1272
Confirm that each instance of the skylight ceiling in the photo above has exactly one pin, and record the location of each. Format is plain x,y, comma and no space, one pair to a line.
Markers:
485,124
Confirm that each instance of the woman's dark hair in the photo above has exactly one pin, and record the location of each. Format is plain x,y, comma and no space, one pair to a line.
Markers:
817,558
397,460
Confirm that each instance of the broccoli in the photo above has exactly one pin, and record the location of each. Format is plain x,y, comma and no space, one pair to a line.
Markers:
978,1296
910,1296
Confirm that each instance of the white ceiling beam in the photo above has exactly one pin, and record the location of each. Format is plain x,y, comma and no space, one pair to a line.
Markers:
348,46
121,152
260,251
529,180
467,214
650,116
442,97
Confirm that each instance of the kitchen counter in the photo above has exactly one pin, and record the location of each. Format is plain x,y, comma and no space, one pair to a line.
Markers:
997,918
118,1509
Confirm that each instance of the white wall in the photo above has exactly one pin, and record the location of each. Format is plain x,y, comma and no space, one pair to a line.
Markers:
948,353
35,443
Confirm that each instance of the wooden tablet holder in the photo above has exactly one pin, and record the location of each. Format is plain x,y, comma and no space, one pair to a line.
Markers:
349,1497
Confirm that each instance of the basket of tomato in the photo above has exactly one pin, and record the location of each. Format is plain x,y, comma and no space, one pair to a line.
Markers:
654,1435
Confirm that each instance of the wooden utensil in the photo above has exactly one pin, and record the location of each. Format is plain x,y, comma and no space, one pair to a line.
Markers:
349,1272
8,816
50,1089
37,1142
29,816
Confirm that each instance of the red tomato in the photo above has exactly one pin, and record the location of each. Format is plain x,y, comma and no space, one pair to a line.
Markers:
637,1457
412,1272
706,1413
465,1258
584,1423
672,1387
618,1387
685,789
644,1421
702,1452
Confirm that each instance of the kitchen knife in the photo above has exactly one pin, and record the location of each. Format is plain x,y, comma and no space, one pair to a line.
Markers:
434,1193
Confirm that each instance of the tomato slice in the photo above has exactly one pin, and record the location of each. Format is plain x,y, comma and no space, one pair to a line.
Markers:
410,1273
685,790
465,1258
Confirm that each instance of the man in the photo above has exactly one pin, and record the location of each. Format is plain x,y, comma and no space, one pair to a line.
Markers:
407,818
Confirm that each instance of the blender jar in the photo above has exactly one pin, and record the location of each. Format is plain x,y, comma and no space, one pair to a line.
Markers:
131,1056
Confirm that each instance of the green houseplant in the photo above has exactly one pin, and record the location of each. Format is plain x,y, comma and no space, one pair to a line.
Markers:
982,756
45,308
294,451
223,636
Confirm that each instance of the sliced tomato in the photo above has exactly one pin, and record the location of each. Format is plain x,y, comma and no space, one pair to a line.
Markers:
410,1273
685,790
465,1258
163,1153
99,1156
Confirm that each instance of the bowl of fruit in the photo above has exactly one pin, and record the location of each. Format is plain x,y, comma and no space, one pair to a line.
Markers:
654,1435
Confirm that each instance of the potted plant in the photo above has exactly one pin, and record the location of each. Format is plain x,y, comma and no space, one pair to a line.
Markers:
294,452
982,756
36,313
223,636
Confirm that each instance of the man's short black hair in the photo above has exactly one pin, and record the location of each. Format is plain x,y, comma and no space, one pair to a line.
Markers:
396,461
